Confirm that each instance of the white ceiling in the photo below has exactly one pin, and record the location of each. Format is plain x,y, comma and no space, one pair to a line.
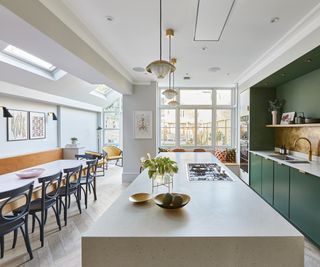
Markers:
133,36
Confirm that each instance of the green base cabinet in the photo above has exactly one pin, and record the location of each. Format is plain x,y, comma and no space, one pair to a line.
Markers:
255,172
281,189
305,203
267,180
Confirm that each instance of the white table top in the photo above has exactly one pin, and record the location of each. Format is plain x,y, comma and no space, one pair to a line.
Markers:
216,209
11,180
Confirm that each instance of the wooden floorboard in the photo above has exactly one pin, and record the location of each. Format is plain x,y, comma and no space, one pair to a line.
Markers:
63,248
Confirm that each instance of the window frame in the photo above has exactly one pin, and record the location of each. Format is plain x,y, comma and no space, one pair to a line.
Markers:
214,107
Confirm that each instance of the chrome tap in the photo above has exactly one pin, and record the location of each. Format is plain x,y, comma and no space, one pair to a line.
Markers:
310,146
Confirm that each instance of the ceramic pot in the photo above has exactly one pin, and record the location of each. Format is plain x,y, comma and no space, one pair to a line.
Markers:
274,117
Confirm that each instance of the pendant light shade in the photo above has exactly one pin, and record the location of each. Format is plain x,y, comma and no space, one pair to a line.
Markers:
161,68
170,93
6,113
173,103
53,115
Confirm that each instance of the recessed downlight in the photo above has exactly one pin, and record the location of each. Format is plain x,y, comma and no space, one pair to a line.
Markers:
138,69
308,60
214,69
274,20
283,74
109,18
204,48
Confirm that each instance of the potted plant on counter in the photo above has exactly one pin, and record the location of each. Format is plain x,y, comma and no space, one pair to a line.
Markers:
161,171
74,140
275,107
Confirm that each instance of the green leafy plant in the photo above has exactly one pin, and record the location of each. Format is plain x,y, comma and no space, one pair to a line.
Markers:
276,105
74,139
161,166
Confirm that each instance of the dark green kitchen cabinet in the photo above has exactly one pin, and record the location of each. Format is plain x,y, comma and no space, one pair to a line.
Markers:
305,203
255,172
281,191
267,180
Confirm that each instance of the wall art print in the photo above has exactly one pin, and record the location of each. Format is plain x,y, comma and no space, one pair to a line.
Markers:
17,126
37,125
143,124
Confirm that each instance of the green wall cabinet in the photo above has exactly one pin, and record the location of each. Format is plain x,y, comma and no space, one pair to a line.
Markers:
267,180
281,188
305,203
255,172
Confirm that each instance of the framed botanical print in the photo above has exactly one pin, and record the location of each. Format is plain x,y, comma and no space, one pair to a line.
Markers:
142,123
17,125
37,125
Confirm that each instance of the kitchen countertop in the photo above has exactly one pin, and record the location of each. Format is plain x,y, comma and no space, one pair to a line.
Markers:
312,168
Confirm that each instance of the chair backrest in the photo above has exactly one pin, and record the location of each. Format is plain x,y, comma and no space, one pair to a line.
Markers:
112,151
178,150
92,166
199,150
83,156
47,184
93,155
76,171
10,196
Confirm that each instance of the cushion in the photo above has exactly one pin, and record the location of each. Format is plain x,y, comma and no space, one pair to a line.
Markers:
220,155
231,155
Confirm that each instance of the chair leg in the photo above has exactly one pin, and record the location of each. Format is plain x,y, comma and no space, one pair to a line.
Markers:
41,225
33,223
77,195
45,216
65,206
94,187
86,196
15,236
26,237
1,246
69,200
55,210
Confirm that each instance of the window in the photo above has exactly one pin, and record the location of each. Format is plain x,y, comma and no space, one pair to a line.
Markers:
112,123
204,118
101,91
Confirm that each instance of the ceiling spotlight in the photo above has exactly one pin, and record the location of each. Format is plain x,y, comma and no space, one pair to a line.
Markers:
109,18
308,60
204,48
138,69
187,78
214,69
283,74
274,20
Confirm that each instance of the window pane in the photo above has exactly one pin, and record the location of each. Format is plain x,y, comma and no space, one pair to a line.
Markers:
224,97
204,120
112,121
187,127
168,124
112,137
195,97
223,127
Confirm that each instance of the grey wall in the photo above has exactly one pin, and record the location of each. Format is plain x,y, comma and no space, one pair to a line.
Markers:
143,98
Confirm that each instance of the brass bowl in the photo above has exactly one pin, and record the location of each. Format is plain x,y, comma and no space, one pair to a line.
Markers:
158,199
140,197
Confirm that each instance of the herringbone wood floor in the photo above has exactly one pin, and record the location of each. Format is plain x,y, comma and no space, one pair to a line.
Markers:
63,248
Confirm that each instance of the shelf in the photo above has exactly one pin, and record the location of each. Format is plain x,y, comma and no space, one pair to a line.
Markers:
294,125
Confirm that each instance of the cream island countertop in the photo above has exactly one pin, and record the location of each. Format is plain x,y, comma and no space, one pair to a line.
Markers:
225,224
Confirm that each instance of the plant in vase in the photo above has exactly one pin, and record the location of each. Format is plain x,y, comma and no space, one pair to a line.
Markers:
74,140
275,107
161,171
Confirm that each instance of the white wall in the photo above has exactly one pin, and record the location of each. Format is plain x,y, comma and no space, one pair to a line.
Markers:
22,147
81,124
143,98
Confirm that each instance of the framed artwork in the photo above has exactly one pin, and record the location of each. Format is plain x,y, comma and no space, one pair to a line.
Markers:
287,118
37,125
17,126
142,123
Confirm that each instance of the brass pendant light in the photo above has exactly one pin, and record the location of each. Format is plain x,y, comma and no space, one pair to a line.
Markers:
173,103
170,93
160,67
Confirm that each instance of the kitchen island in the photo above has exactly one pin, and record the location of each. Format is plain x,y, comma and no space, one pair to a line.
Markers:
225,224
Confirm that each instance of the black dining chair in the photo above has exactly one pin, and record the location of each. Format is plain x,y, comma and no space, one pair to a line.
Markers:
89,180
84,157
50,186
11,222
71,187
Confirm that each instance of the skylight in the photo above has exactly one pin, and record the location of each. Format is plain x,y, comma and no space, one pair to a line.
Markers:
101,91
28,58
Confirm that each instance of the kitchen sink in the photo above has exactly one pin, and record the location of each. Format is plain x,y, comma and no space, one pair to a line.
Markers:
289,159
282,157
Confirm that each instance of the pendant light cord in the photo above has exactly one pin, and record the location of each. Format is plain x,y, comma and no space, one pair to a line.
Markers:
160,29
170,73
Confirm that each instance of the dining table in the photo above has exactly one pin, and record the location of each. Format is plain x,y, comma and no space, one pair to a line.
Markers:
11,180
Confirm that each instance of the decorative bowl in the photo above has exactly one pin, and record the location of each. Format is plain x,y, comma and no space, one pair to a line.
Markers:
158,199
140,197
30,173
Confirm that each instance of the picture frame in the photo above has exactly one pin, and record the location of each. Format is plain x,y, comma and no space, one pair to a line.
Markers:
287,118
142,124
18,125
37,125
